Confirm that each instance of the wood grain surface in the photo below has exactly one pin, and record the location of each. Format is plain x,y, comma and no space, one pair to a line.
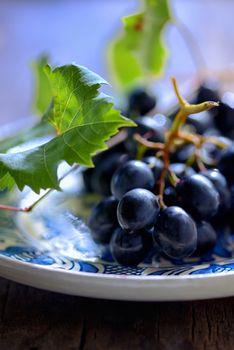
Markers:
35,319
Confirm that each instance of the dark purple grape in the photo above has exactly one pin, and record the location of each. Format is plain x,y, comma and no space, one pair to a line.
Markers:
87,176
206,238
212,132
129,249
150,126
232,197
182,154
208,91
181,170
132,174
138,209
176,233
211,151
155,164
220,184
201,122
147,127
104,170
197,195
170,197
225,164
224,117
140,102
103,220
230,216
227,218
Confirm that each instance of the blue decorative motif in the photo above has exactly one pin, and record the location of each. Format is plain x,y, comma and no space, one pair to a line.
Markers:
27,255
57,239
87,267
215,268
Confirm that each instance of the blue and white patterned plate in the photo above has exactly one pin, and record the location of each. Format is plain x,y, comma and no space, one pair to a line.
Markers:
51,248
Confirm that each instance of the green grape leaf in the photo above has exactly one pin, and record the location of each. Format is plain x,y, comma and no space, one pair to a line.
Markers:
139,52
125,66
43,91
23,136
84,119
7,181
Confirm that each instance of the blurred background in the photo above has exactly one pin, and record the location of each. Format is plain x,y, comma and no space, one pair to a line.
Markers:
79,31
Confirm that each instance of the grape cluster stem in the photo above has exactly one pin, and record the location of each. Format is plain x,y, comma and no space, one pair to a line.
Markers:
174,134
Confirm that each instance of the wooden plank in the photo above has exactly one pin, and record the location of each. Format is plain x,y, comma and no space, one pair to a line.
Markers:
35,319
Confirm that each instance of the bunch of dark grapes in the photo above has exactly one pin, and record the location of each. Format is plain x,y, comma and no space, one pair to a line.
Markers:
198,183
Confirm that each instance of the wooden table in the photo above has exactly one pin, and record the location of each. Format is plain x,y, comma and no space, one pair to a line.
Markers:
35,319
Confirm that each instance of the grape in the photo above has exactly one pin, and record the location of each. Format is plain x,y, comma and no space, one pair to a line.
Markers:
140,102
145,126
105,168
103,220
170,197
211,151
156,165
138,209
98,179
129,249
212,132
149,125
197,195
176,233
225,164
230,216
132,174
200,122
181,170
87,176
232,197
220,185
182,154
227,218
224,117
206,238
208,91
88,173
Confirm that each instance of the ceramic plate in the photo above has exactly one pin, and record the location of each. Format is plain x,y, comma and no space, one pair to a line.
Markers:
51,248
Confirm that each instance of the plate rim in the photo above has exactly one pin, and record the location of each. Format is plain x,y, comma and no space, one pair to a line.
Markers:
119,287
110,276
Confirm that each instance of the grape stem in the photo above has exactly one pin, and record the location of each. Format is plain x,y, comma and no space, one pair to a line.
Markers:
173,178
148,144
34,204
198,142
174,133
